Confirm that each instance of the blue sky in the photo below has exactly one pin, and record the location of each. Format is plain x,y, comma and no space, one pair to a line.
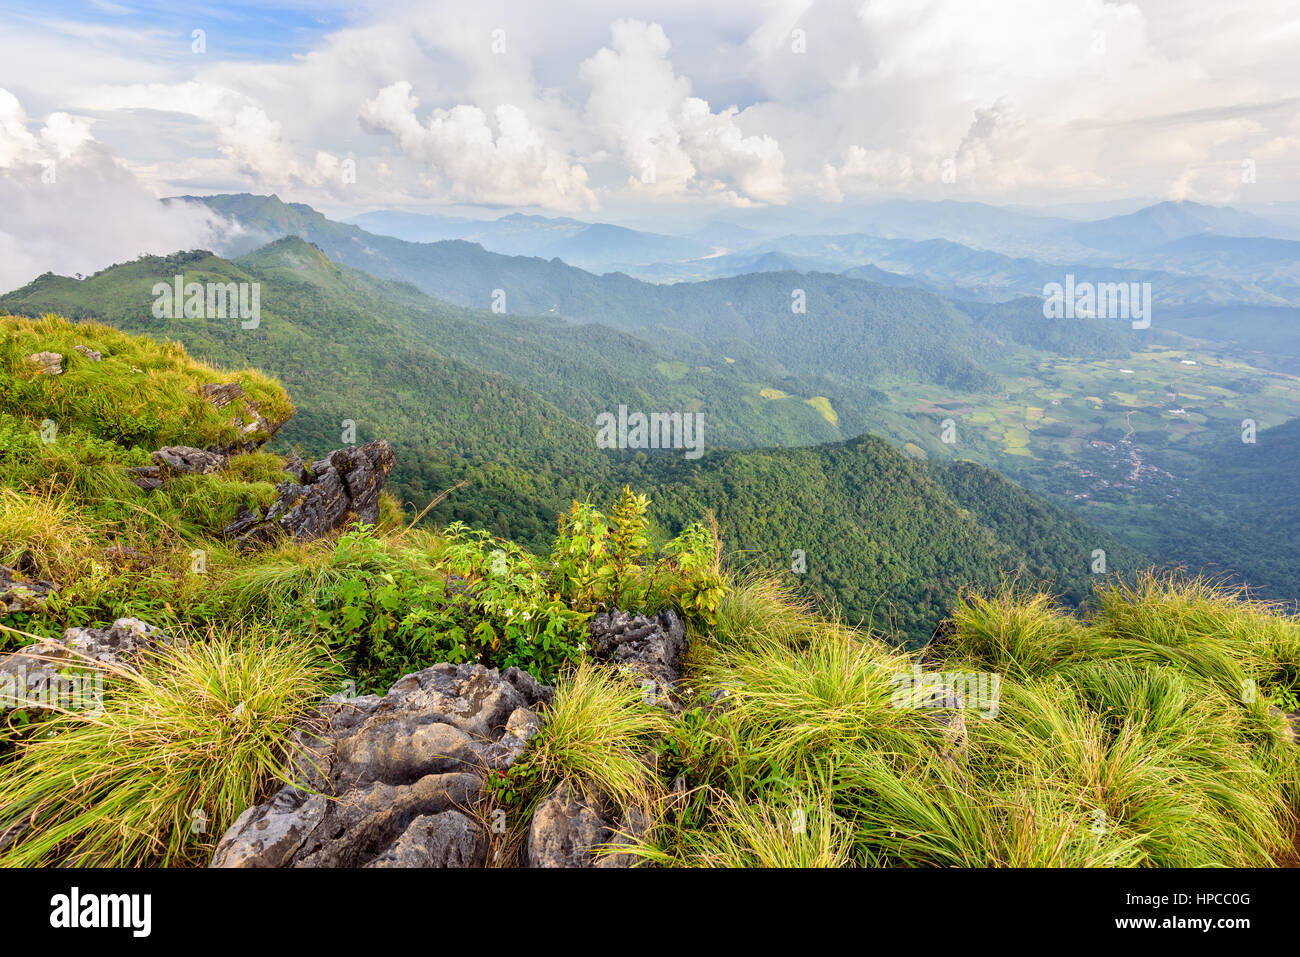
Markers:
258,31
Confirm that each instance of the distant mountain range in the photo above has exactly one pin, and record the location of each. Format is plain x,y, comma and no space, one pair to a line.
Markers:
602,247
595,246
493,368
463,394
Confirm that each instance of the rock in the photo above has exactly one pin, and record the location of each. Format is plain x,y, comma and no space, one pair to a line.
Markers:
175,460
649,647
271,834
1291,729
121,644
148,477
123,556
571,827
382,782
221,394
341,488
18,594
185,460
47,363
89,353
253,427
32,678
947,709
255,430
449,839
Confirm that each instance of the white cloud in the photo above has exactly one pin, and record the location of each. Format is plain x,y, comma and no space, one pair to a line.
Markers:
1029,101
672,142
458,150
246,135
70,206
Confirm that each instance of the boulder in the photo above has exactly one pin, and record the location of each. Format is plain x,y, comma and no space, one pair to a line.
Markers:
19,594
89,353
254,430
47,363
330,493
253,427
449,839
38,674
945,707
221,394
385,781
573,827
185,460
175,460
147,477
650,648
1291,729
123,556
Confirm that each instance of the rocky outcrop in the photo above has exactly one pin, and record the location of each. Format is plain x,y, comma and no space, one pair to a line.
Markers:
574,827
221,394
185,460
173,460
945,707
254,429
47,363
650,648
330,493
89,353
56,670
22,594
147,477
389,782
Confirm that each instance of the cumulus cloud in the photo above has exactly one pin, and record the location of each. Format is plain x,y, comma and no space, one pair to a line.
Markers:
70,206
671,141
461,153
250,140
1027,101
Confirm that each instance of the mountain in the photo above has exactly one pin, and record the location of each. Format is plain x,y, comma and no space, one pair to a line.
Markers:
599,247
438,637
1234,270
329,334
1163,223
765,356
1265,336
892,540
883,533
852,336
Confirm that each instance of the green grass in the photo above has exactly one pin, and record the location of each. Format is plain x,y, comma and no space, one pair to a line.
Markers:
142,392
1143,731
1123,738
597,731
197,735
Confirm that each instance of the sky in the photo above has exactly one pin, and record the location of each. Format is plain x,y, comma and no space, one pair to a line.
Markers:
609,111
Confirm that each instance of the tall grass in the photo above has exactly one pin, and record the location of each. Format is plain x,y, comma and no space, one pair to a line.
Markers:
1123,738
597,733
180,749
42,531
